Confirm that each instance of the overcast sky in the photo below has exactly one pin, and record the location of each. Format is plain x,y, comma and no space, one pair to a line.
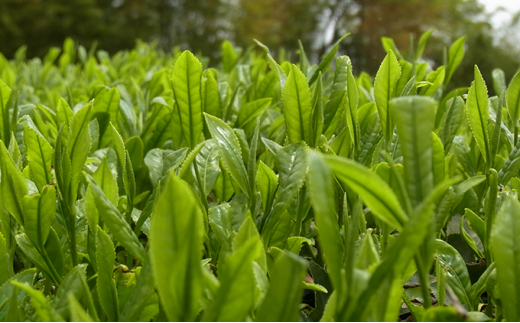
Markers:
512,5
500,18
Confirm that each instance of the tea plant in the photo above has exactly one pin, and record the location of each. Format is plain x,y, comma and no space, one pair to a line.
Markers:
145,186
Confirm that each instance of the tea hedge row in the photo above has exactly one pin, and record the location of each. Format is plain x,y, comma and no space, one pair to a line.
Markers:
147,186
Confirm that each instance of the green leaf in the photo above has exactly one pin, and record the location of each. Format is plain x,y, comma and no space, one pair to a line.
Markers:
396,259
267,183
480,286
337,96
292,166
135,148
23,241
325,63
13,184
513,99
116,223
368,255
105,179
229,57
223,186
43,308
235,298
374,191
507,256
53,249
78,147
442,314
6,290
476,224
477,110
296,98
252,170
186,82
77,313
268,87
422,43
64,115
407,82
106,285
159,161
140,296
211,97
189,159
39,212
39,155
109,103
457,276
469,240
5,94
351,107
384,90
272,146
463,187
414,117
495,140
221,222
511,166
283,297
452,122
274,65
389,45
435,78
208,164
250,111
230,151
499,81
322,198
455,56
5,262
317,119
438,161
176,249
246,233
75,284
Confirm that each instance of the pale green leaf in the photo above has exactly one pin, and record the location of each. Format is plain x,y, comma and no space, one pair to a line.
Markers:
384,90
176,249
186,81
296,98
230,151
414,117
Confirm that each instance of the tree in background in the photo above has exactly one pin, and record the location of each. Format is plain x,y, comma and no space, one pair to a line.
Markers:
369,20
276,23
41,24
201,25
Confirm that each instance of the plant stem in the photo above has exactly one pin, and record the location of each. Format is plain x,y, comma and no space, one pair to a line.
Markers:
386,233
70,218
202,189
424,280
490,211
55,276
440,283
516,134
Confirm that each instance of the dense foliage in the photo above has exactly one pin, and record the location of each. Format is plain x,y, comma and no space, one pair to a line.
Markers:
144,186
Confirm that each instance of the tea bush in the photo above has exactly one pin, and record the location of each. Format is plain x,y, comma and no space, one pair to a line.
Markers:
146,186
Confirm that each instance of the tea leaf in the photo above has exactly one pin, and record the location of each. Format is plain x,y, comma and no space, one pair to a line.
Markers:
175,249
186,81
296,99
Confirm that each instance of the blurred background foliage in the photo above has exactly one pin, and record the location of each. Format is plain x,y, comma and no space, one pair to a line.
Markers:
202,25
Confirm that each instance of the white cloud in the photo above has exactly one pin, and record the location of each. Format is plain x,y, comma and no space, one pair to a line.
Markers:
510,5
